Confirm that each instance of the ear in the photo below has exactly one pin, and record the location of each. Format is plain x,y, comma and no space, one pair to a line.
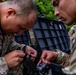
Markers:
10,12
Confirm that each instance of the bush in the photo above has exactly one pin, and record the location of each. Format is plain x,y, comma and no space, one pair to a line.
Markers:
45,7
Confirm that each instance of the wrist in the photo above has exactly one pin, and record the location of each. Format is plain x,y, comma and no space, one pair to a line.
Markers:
24,49
55,54
59,56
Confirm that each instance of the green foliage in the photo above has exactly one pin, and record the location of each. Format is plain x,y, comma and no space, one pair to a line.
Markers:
4,0
45,7
68,27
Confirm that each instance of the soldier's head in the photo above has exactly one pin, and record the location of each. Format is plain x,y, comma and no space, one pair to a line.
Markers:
17,15
65,10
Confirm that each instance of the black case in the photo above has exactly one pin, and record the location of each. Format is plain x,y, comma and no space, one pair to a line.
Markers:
49,35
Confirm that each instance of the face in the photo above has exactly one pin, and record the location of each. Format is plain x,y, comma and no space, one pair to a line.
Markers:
17,24
65,10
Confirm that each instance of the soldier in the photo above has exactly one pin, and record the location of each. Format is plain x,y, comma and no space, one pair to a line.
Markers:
65,10
16,16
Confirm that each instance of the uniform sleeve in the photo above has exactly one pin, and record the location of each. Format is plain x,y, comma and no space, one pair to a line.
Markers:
14,45
3,66
71,69
62,58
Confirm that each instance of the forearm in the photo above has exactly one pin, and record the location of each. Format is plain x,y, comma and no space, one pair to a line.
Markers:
62,58
3,66
14,45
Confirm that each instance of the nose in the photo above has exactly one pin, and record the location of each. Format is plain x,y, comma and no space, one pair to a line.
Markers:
20,32
56,13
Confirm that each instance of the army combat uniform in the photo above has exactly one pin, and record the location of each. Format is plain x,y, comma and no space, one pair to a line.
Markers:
70,60
7,44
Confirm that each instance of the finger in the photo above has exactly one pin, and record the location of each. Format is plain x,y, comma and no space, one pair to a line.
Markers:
32,59
48,62
21,55
48,58
39,62
19,60
45,59
44,54
34,55
19,51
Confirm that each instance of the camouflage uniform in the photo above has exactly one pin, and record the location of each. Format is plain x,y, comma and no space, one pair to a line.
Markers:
7,44
71,68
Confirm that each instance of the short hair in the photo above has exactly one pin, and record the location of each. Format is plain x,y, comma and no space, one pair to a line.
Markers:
26,6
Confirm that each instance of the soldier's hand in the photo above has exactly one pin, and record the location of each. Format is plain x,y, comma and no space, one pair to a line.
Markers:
14,58
32,52
47,57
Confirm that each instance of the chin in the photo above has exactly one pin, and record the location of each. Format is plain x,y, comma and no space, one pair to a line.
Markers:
8,33
68,22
